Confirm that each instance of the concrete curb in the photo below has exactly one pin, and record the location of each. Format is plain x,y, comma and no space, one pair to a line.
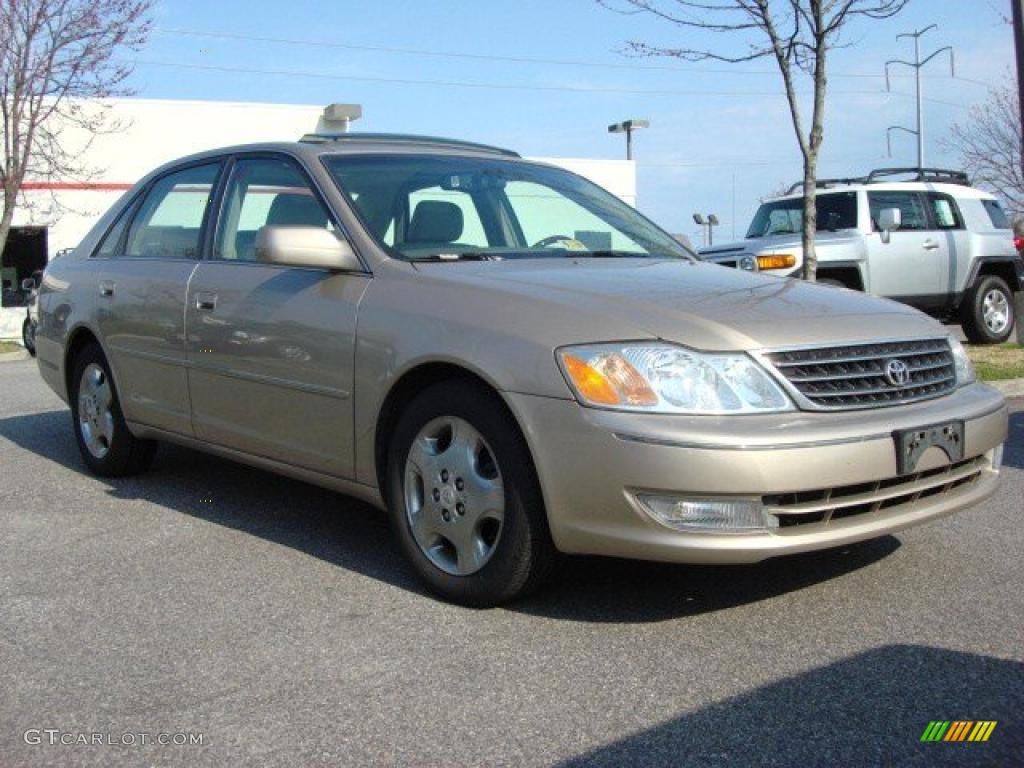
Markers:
1009,387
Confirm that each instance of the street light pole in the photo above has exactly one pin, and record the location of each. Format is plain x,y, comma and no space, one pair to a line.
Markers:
627,127
706,225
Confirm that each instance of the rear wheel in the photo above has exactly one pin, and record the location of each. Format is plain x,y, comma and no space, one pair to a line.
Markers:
464,499
28,336
987,312
106,445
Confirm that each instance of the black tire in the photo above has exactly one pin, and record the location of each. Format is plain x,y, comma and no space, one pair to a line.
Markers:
973,311
523,555
28,337
125,454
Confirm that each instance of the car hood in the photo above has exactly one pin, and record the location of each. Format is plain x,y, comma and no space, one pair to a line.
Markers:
792,243
702,306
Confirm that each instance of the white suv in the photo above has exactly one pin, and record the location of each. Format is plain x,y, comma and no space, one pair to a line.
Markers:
933,242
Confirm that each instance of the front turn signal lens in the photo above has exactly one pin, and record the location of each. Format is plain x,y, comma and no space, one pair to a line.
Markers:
776,261
608,379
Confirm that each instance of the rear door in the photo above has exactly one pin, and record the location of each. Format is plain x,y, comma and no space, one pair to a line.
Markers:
914,265
149,256
271,347
947,222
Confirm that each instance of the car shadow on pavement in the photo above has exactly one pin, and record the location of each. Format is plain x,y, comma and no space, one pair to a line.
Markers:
1013,455
868,709
354,535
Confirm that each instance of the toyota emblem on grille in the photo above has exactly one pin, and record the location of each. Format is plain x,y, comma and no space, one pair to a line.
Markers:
897,373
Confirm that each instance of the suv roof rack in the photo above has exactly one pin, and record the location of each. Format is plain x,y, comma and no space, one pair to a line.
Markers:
877,176
403,138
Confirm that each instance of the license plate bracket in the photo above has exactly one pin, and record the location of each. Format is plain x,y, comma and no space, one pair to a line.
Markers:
912,443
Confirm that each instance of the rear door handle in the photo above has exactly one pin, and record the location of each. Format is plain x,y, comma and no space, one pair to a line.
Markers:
931,245
206,302
106,287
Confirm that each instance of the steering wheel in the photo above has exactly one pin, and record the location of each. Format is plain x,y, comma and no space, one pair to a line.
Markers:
551,240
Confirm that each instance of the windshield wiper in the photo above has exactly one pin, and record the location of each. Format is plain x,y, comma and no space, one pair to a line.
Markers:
468,256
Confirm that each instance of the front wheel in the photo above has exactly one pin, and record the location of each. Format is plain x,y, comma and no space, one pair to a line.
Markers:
464,500
28,336
987,312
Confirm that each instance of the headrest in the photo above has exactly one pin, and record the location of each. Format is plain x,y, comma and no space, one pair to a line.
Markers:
291,210
435,221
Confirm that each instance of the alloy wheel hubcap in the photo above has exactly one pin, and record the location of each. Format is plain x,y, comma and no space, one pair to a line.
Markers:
454,496
996,311
95,417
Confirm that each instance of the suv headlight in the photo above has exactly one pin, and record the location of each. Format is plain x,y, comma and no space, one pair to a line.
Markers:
663,378
962,363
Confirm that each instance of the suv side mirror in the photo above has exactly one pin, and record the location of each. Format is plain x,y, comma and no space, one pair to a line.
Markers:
313,247
28,284
889,220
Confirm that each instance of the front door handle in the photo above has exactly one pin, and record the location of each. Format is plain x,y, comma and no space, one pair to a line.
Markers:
206,302
106,288
931,245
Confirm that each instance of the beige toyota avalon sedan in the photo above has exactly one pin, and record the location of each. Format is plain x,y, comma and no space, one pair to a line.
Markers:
509,360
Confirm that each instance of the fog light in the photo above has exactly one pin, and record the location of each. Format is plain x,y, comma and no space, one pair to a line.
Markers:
997,457
709,515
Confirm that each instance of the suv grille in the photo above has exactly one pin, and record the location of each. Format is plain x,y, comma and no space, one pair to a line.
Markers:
868,375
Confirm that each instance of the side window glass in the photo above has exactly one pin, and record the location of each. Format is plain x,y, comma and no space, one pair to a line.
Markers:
945,212
112,242
996,214
169,222
912,211
265,192
439,216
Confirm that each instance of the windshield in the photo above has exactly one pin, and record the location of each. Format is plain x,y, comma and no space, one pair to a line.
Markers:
430,206
786,217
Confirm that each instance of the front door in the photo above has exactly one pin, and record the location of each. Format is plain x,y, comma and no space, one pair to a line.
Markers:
914,265
271,348
148,257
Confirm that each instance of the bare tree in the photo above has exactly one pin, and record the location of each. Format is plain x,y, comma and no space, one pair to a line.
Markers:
989,144
797,34
54,54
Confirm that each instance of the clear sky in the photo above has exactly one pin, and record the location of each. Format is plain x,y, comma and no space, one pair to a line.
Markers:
715,128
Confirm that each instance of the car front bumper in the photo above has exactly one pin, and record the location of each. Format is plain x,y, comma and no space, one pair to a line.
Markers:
591,463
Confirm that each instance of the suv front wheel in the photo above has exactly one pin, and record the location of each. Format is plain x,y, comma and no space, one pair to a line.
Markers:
987,312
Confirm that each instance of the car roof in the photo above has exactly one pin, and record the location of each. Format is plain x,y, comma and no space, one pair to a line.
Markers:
954,190
312,146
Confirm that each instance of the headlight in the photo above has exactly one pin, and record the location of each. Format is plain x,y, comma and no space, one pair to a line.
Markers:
962,363
748,263
664,378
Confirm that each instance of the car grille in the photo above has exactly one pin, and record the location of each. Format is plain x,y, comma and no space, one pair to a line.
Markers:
827,505
849,377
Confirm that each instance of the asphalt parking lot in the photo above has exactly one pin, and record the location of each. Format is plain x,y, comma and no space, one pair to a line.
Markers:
277,621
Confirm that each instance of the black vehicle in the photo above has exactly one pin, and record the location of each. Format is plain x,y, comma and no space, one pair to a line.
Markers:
30,288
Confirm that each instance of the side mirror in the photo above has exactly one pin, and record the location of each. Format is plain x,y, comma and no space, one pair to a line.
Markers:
28,284
314,247
889,220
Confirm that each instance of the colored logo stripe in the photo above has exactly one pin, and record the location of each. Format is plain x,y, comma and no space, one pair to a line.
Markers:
935,730
958,730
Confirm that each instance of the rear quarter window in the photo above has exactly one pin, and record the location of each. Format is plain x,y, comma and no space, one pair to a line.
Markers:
996,214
